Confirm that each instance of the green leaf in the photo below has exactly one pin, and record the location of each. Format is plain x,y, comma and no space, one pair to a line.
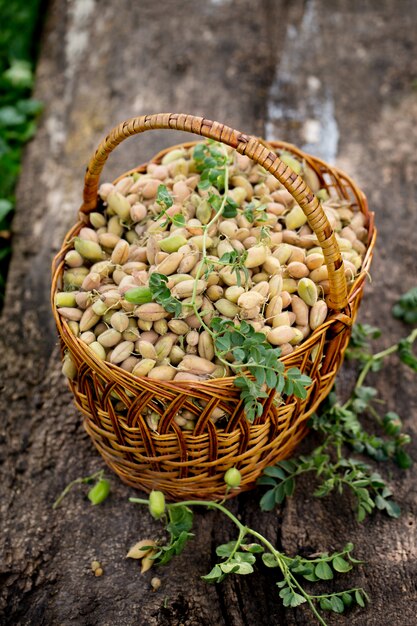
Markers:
289,486
347,599
229,211
236,568
199,152
288,465
380,502
204,184
403,459
286,594
218,324
175,547
341,565
226,549
297,599
324,489
325,604
296,383
229,568
253,548
215,575
19,74
406,307
359,599
214,201
182,539
250,348
361,333
311,577
302,567
364,396
406,355
4,253
337,604
271,379
266,480
267,502
323,571
240,355
10,116
163,197
5,208
280,493
181,519
179,220
244,557
276,472
236,339
259,375
392,508
376,480
30,107
162,295
269,560
222,343
361,513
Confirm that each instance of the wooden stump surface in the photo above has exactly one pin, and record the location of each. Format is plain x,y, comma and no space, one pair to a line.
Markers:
338,79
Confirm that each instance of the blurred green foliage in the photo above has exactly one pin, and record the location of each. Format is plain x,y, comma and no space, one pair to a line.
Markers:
20,22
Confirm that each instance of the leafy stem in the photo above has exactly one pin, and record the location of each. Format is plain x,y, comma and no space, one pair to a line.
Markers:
379,356
249,352
206,227
341,426
162,295
97,477
238,557
406,307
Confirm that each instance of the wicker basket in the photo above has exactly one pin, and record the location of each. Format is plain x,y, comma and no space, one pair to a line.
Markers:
192,464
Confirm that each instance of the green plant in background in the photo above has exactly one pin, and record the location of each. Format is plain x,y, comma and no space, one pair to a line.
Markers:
18,111
406,307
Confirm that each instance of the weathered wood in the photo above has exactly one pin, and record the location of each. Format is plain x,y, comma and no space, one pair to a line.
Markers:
339,79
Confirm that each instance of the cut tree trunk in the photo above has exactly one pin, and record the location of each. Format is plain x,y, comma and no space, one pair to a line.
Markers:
337,78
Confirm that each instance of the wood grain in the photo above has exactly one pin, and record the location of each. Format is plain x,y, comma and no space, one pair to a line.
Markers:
338,79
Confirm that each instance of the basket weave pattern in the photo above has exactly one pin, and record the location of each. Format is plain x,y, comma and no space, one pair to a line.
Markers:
192,464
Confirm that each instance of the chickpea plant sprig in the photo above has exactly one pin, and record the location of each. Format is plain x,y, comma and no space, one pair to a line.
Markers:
406,307
239,556
234,260
341,426
250,352
96,494
162,294
165,201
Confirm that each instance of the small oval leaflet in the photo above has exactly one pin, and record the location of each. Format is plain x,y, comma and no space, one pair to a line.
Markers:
323,571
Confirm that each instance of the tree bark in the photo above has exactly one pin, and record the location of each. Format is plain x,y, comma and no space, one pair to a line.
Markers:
339,79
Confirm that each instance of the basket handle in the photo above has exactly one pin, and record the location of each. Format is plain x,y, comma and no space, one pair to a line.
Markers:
254,149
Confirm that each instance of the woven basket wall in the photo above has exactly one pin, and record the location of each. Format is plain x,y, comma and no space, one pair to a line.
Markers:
192,464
